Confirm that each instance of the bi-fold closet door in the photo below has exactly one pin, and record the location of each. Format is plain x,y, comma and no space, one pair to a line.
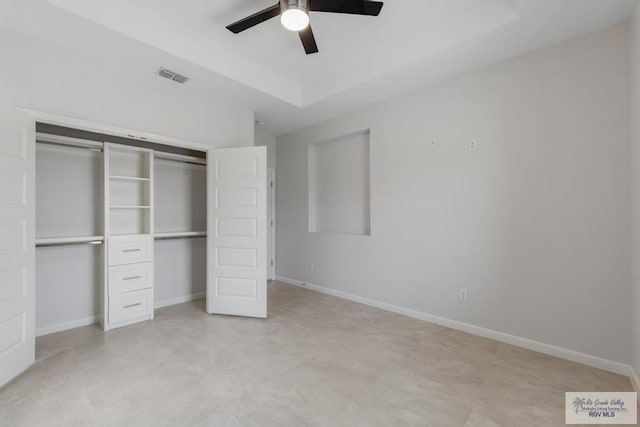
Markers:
237,216
17,225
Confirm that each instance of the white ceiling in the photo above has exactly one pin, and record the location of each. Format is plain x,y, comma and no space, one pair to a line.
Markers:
362,60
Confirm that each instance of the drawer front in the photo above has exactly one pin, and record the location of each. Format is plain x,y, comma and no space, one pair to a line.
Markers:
130,250
133,277
130,305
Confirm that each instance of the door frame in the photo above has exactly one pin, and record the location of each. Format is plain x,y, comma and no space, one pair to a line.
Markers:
71,122
60,120
271,173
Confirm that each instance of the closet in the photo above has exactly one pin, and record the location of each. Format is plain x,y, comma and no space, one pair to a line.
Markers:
103,228
120,229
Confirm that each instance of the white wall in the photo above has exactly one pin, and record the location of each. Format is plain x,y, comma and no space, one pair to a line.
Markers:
635,183
45,77
534,222
265,139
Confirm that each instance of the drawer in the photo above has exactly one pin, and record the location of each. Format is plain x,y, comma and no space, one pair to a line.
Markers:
130,305
132,277
130,249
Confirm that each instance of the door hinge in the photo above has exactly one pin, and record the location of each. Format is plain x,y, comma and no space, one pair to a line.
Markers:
272,223
271,263
271,184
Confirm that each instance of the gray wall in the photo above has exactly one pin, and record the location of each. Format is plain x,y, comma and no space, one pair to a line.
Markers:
69,203
46,77
180,266
534,222
635,224
268,140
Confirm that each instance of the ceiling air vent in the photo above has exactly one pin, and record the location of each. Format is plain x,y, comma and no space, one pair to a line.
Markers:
168,74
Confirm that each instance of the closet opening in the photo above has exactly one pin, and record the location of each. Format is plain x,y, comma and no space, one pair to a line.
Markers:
107,228
153,191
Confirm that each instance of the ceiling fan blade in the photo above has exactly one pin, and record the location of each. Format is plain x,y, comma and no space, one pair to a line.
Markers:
254,19
308,40
354,7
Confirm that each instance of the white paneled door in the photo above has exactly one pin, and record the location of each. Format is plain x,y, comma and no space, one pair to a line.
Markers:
17,245
237,231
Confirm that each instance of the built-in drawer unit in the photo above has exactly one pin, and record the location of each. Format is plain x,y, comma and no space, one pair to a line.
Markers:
130,305
130,249
132,277
128,227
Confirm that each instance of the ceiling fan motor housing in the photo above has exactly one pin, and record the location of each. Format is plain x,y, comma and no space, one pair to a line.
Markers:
294,4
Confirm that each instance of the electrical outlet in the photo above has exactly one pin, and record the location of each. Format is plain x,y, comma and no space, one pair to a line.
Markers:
464,294
472,145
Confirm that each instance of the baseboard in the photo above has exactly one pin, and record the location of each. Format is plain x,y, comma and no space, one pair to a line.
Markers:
552,350
180,300
67,325
95,319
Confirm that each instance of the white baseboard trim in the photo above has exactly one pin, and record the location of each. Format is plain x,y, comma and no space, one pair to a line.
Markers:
540,347
95,319
67,325
180,300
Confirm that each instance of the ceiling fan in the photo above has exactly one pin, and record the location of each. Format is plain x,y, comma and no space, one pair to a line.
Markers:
294,15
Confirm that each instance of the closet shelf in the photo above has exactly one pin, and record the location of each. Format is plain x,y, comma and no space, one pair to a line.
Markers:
128,178
179,235
62,241
130,207
131,235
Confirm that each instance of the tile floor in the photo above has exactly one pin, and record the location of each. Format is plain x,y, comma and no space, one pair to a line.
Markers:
317,360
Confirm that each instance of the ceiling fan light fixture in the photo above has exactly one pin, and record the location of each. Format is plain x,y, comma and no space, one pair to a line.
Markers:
295,18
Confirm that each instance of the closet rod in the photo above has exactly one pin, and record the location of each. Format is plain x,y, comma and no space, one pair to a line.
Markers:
47,245
180,158
176,237
66,141
180,235
98,146
62,144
